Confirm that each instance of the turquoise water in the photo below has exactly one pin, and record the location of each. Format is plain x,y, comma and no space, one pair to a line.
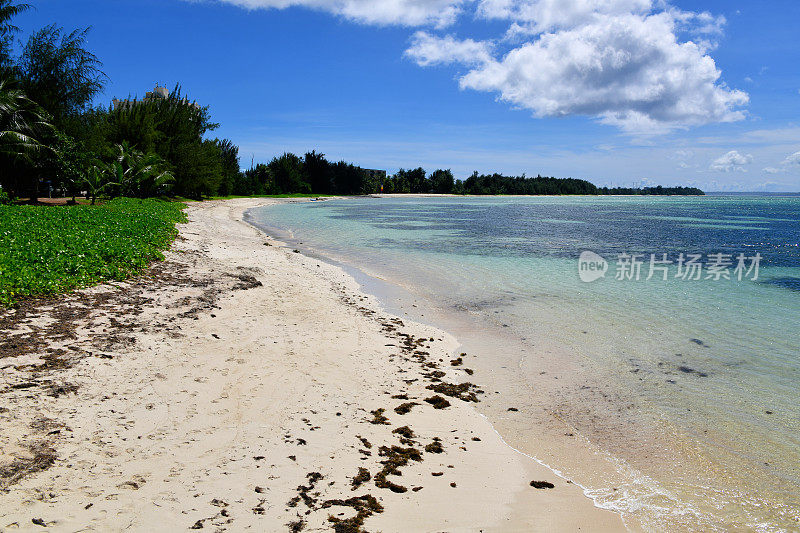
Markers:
692,385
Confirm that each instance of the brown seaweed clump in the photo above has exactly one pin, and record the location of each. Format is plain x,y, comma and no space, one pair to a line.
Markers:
362,477
303,491
298,525
542,485
438,402
404,408
396,458
435,446
365,507
405,431
463,391
42,457
378,418
435,375
406,434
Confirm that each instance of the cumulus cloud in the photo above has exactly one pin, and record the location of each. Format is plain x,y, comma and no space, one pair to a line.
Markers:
439,13
428,50
733,161
627,70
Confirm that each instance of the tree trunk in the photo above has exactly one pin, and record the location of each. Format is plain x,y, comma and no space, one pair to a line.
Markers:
35,195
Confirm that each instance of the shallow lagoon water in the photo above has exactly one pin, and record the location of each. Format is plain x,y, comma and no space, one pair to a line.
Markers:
706,372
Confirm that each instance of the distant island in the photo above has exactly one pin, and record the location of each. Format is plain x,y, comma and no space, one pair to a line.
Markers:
313,173
653,191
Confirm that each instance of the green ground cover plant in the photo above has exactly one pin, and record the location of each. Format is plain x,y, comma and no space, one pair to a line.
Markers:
49,250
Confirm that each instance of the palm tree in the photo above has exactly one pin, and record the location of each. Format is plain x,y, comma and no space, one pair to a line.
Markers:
8,11
22,124
139,174
97,179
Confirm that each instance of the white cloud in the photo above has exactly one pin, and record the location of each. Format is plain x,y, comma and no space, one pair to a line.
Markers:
428,50
439,13
790,161
536,16
793,159
733,161
627,70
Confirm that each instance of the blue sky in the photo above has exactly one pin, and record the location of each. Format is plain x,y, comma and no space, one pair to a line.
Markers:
445,83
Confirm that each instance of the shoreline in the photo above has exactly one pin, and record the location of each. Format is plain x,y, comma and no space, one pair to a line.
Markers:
228,401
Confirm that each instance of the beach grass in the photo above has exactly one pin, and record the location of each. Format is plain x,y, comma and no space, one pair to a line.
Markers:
50,250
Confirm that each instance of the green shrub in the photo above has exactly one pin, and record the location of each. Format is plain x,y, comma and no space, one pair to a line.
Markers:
48,250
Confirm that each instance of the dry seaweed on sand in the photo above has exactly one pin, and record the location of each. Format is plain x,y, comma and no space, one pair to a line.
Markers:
303,491
396,457
438,402
297,526
362,477
405,431
42,458
434,376
406,434
435,446
365,507
404,408
463,391
378,418
542,485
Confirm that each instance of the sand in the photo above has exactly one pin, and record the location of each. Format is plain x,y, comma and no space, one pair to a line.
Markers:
236,388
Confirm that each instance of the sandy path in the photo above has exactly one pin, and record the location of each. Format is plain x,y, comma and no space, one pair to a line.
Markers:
250,376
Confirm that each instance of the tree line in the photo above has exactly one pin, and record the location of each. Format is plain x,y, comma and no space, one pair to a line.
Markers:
313,173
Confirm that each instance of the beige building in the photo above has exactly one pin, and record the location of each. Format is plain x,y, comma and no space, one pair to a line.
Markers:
158,93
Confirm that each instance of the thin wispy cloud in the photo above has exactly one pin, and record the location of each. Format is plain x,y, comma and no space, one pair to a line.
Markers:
438,13
790,163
